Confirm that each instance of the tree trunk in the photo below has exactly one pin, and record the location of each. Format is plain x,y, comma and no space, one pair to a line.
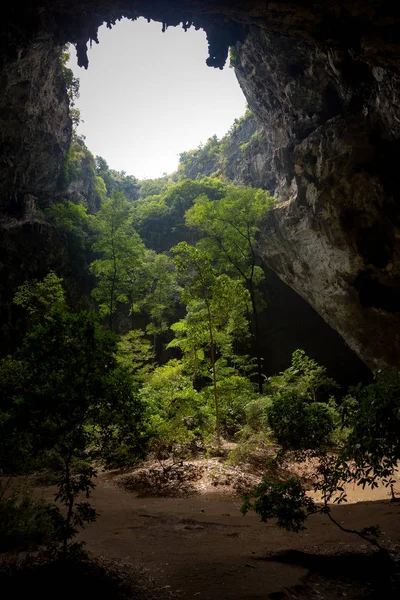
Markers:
212,352
256,338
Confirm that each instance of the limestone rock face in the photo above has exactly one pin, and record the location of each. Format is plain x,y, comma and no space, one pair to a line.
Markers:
35,128
247,158
333,123
243,156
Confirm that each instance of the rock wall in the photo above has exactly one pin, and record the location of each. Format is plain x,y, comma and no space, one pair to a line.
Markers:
35,128
333,122
243,156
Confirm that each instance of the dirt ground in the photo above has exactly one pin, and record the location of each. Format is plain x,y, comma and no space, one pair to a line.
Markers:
201,547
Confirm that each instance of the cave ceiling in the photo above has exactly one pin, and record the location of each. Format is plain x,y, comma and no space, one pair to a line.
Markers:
369,28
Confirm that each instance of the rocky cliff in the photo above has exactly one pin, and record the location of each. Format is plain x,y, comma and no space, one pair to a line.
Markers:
35,127
242,156
332,123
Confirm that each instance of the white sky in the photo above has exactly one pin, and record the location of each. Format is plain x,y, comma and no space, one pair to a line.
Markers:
148,95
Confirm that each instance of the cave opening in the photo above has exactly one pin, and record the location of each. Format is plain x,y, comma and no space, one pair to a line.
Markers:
148,95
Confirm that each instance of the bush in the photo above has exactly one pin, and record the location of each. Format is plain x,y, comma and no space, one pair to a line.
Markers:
234,395
24,522
252,449
256,412
178,420
300,425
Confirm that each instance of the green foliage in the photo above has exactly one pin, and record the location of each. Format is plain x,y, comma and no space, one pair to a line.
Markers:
78,176
235,393
40,298
116,181
25,522
306,377
159,217
200,160
72,220
369,454
232,56
211,157
178,417
72,86
122,252
287,502
70,487
297,420
230,226
254,437
162,294
153,187
136,354
298,424
216,306
374,440
69,217
70,390
154,221
256,413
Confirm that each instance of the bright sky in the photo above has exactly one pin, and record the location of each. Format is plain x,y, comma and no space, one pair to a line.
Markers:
148,95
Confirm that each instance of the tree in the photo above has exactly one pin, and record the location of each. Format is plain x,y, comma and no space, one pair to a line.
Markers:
301,425
72,86
178,416
70,392
161,294
368,455
135,354
231,225
122,252
160,216
118,181
40,298
215,311
307,377
373,444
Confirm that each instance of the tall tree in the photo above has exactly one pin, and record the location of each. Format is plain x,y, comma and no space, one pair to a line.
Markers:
121,256
215,309
162,294
231,225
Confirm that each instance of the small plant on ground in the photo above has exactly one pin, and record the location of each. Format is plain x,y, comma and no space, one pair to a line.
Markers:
25,522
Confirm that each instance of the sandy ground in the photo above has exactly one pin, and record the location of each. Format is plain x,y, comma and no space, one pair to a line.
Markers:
202,547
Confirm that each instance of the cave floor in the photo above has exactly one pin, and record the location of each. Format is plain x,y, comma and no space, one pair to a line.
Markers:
202,547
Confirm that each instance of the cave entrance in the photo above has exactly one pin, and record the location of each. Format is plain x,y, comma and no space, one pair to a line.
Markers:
148,95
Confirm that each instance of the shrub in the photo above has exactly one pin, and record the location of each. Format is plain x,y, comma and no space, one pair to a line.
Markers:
300,425
234,395
178,418
256,412
24,522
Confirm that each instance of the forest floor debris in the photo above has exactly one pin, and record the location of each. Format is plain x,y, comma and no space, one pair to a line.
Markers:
186,478
194,542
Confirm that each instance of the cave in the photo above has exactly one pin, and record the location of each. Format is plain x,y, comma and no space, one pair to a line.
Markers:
322,79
